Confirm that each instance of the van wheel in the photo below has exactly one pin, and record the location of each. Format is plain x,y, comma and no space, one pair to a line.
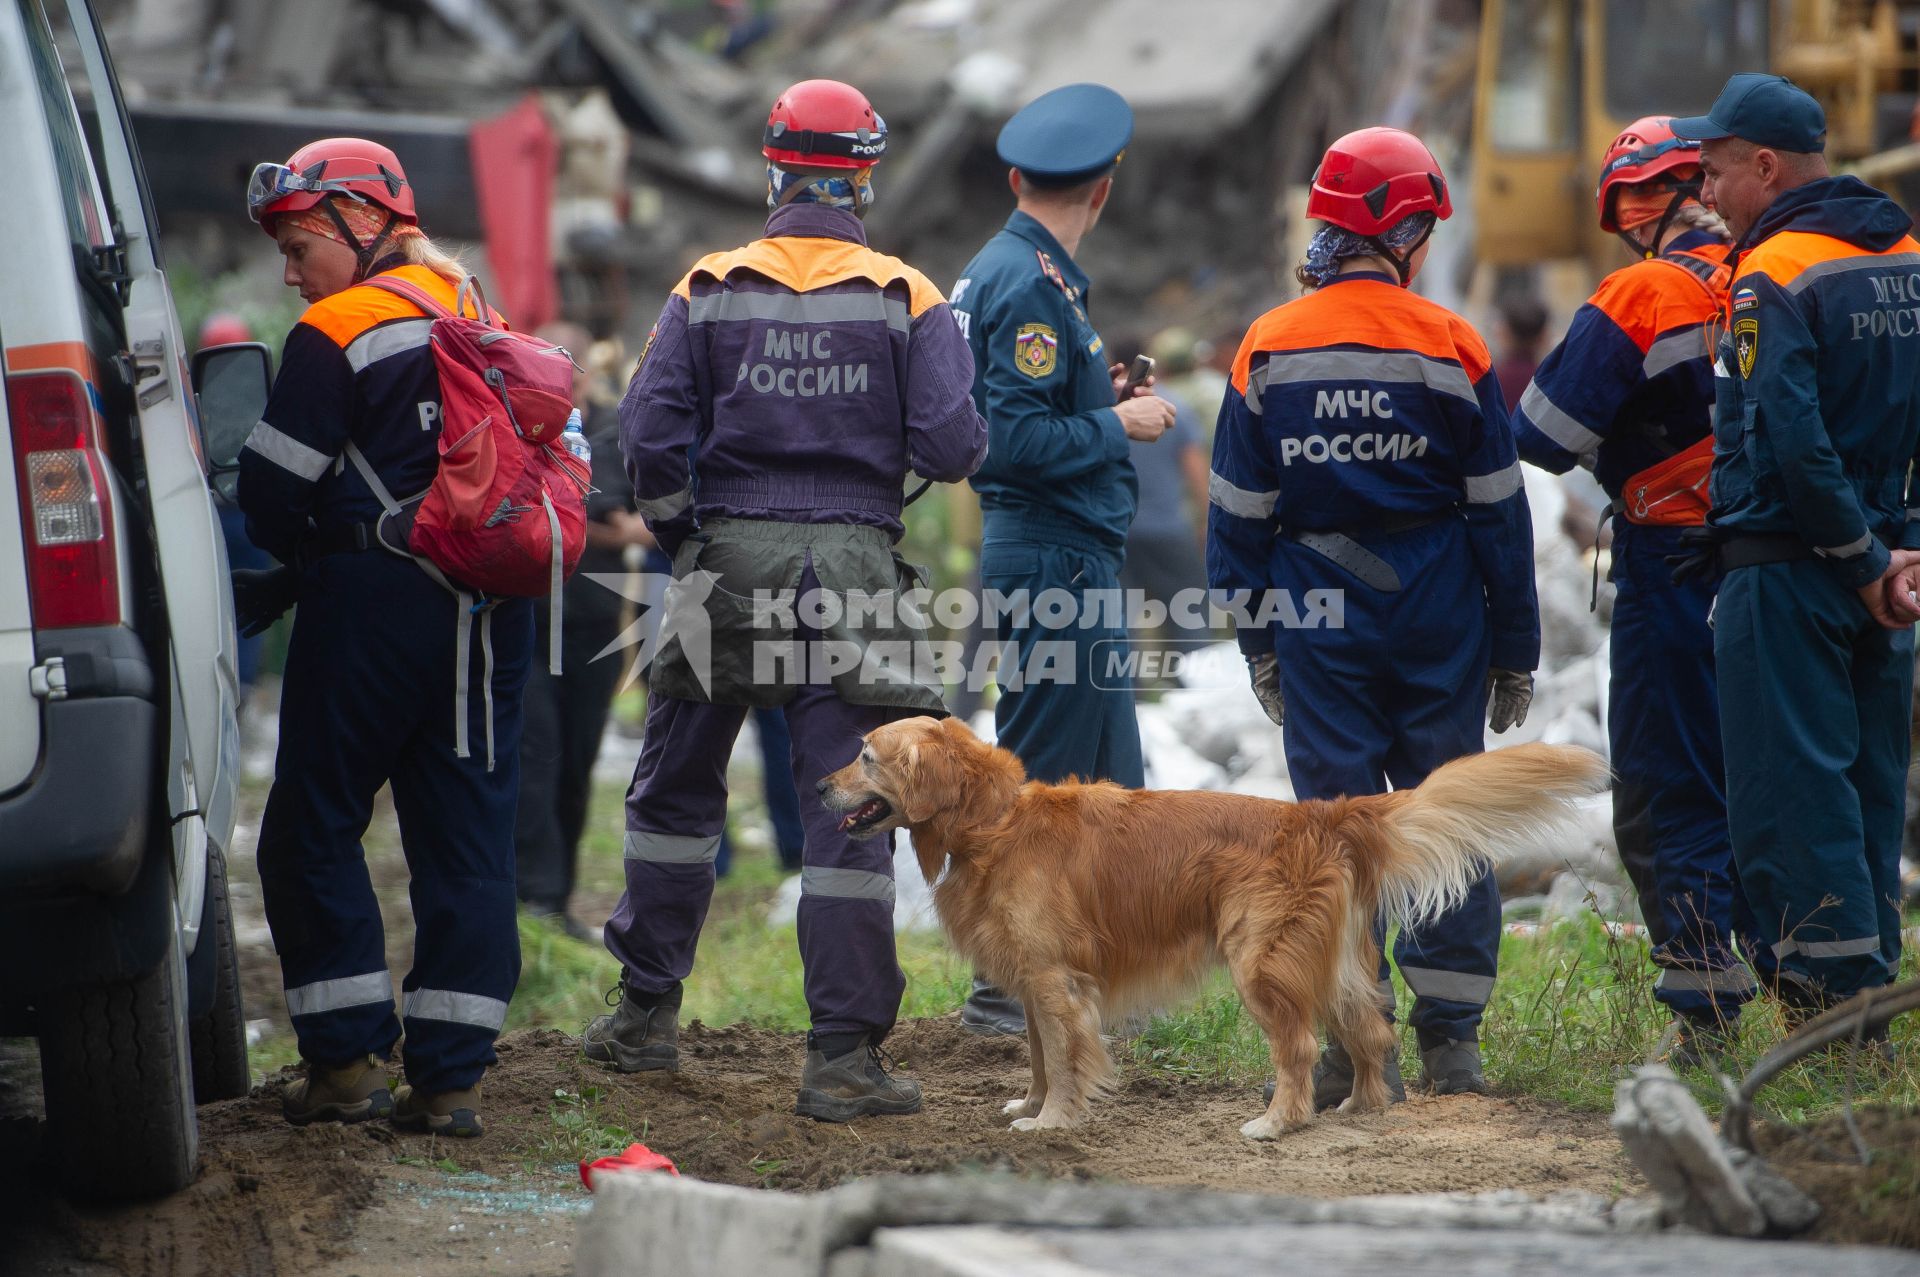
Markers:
118,1079
219,1033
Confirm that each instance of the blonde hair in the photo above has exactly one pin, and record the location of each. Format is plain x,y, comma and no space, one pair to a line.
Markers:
421,251
1695,216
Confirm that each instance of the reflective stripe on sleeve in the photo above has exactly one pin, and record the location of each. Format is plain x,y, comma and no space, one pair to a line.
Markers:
340,993
395,338
1448,986
665,507
1485,489
1846,551
846,884
800,308
1675,349
456,1008
1237,500
1555,424
1901,262
287,452
671,849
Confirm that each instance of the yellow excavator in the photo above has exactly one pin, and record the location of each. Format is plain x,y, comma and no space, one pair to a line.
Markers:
1558,79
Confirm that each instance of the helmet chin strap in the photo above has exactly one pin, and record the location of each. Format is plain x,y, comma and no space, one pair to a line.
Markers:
365,255
1648,249
1402,266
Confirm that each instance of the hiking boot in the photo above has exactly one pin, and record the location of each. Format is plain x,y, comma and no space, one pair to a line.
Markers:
438,1112
845,1080
992,1011
1451,1066
350,1092
1703,1043
637,1037
1333,1078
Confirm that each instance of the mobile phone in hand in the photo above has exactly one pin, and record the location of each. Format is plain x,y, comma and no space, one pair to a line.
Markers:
1137,375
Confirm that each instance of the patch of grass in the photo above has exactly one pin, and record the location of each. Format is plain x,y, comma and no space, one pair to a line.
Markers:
582,1125
1572,1011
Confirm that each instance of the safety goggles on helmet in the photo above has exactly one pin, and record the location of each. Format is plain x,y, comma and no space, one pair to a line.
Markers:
273,182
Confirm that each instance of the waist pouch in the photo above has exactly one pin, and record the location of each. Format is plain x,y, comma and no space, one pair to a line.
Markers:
1672,493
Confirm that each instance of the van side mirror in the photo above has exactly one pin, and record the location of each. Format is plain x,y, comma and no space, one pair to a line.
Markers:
232,383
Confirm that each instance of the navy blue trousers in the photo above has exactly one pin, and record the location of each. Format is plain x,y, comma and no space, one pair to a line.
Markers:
1670,809
676,813
1397,689
1814,705
1066,692
369,699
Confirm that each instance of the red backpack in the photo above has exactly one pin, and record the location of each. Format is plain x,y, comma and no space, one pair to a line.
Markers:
506,512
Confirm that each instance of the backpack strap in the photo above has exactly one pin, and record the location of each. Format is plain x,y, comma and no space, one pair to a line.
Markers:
469,288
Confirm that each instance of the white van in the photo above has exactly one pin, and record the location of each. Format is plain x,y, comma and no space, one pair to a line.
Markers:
118,740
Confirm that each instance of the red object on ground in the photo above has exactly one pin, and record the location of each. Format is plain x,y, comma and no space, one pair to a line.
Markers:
515,157
638,1157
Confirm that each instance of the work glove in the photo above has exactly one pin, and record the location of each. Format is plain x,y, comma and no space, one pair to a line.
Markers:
1264,670
262,595
1699,557
1509,693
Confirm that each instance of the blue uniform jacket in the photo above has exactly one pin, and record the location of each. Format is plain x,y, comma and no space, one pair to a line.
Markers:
1817,379
1631,384
1057,464
1356,405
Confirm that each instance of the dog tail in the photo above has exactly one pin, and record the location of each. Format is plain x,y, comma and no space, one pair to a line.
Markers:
1428,844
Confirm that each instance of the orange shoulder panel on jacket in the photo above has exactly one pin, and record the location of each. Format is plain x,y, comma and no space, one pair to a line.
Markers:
1365,313
1651,297
805,263
351,311
1782,258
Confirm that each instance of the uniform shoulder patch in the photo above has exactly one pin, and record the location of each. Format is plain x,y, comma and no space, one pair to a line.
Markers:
1746,343
1036,349
1745,299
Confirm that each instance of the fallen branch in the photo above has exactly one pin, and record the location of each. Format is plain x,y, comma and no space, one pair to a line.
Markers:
1853,1019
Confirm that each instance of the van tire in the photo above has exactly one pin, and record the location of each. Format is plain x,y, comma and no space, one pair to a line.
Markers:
118,1078
219,1034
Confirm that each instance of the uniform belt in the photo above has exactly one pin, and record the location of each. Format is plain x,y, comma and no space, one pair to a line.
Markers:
1750,550
1342,546
343,538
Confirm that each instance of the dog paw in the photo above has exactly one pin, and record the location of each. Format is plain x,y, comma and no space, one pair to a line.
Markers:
1352,1104
1265,1128
1020,1108
1024,1123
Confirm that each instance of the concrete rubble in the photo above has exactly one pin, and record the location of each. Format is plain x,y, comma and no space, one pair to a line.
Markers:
996,1224
1701,1182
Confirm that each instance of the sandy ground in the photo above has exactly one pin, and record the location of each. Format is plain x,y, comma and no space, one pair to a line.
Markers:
338,1201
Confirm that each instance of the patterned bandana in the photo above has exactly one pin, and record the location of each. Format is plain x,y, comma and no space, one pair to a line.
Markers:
364,220
1334,244
853,192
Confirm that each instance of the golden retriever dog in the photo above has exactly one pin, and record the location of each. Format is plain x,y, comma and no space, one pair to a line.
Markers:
1089,900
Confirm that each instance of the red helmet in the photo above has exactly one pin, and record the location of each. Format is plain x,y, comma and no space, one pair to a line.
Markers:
1373,178
223,328
351,167
1644,150
824,124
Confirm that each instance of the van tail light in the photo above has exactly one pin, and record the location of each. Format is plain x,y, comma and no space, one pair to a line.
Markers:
66,508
